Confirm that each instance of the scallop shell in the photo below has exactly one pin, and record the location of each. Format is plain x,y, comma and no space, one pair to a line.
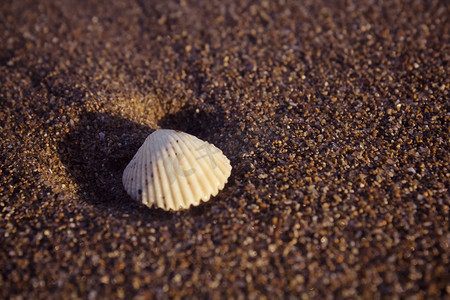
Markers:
174,170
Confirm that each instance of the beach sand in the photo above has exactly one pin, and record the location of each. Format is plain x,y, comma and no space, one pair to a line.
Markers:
334,115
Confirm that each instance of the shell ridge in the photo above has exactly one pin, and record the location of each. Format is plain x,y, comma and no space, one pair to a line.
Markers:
171,176
216,153
149,179
134,181
199,173
159,177
137,175
157,188
140,183
167,179
134,174
224,165
174,181
145,184
211,178
218,157
195,190
185,192
213,164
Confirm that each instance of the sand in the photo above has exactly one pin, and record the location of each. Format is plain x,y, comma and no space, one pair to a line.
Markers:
334,114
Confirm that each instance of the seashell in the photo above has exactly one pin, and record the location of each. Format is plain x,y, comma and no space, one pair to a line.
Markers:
174,170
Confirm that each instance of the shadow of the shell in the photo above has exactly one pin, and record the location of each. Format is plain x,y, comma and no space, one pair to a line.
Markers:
99,147
205,123
95,152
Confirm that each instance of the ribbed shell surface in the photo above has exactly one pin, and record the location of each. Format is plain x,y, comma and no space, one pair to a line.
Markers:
174,170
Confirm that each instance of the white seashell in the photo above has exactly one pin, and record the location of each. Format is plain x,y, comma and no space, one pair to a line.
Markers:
174,170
